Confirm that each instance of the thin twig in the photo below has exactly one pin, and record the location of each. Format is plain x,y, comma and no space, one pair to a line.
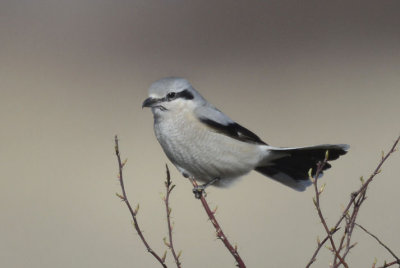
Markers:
380,242
169,187
220,234
320,244
388,264
318,192
350,224
341,244
124,198
349,228
353,197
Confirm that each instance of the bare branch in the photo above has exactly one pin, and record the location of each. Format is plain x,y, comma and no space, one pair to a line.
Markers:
389,264
169,187
340,252
320,244
318,192
380,242
356,199
220,234
124,198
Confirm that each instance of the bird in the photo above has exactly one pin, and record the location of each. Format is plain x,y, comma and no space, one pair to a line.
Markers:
205,144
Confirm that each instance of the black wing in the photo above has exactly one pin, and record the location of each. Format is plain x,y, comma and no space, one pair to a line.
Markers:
234,130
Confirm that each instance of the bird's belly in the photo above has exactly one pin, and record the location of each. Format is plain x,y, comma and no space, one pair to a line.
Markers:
206,154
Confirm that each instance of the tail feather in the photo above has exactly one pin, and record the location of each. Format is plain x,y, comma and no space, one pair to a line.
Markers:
293,167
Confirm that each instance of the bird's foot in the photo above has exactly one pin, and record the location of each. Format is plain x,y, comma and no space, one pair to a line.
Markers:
198,191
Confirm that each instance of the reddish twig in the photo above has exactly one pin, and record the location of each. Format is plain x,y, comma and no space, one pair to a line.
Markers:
314,256
220,234
381,243
169,187
316,200
360,197
389,264
355,198
124,198
349,228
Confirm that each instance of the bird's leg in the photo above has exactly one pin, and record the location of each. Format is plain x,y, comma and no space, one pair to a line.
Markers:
199,190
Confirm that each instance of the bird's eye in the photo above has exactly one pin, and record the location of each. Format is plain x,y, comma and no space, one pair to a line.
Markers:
171,95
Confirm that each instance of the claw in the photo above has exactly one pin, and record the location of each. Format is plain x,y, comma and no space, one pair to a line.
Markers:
199,190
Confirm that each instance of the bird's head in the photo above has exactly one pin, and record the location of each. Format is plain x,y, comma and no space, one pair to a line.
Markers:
172,94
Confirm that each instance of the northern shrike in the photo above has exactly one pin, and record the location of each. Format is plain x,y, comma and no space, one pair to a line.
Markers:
205,144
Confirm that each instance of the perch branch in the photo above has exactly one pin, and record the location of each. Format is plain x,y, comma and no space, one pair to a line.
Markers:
220,234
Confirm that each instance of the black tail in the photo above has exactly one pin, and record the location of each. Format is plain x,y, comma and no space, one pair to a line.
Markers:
292,169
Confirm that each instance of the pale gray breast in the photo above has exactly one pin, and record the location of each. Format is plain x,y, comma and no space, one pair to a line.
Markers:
202,152
176,138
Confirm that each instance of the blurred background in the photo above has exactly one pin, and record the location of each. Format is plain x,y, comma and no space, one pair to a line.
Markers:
74,73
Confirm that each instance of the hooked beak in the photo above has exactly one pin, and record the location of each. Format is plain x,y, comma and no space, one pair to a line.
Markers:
149,102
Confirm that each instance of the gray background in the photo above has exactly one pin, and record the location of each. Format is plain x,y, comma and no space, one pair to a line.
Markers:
297,73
